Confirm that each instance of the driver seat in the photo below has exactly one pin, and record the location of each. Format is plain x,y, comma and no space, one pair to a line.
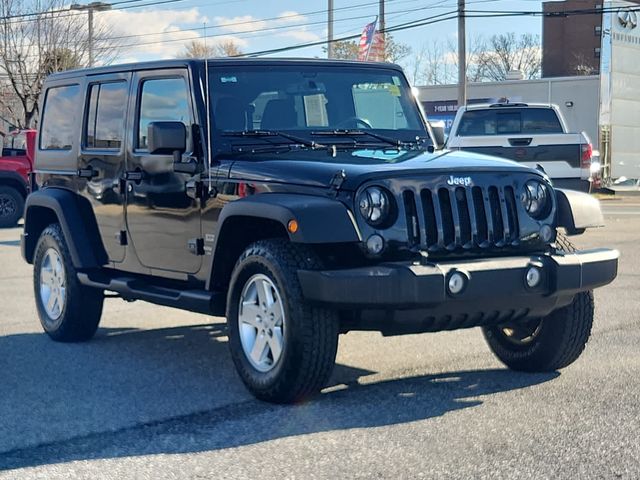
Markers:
279,114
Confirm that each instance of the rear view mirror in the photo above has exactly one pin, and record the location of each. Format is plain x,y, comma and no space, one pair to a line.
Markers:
165,138
439,138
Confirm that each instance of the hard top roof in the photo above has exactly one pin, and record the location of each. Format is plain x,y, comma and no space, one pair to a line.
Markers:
199,63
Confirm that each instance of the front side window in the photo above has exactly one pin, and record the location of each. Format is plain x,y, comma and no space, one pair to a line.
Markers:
105,119
57,128
162,100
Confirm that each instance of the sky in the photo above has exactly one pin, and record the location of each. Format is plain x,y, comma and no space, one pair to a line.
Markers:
161,31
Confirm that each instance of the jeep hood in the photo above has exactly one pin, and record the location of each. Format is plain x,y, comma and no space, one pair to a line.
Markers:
317,168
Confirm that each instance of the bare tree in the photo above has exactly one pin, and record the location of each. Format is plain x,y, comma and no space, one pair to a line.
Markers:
38,38
508,52
199,49
431,65
436,63
227,48
345,50
582,65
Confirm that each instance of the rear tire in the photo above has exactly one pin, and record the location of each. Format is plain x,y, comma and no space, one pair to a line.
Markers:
302,364
68,311
553,343
11,206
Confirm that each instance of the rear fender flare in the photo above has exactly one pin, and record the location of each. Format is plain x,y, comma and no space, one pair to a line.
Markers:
75,216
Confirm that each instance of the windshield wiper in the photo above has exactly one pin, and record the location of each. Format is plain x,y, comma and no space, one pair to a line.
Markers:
356,133
274,133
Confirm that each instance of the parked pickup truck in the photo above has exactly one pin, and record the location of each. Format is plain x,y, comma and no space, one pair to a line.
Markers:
15,164
532,134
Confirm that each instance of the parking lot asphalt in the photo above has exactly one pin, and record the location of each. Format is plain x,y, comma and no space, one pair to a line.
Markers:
155,395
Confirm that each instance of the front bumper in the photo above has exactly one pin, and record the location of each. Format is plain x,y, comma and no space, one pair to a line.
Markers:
415,296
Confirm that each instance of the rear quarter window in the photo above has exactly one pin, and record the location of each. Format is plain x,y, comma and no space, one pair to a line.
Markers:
57,129
509,122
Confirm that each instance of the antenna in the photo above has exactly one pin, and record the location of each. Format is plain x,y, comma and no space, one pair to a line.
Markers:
207,105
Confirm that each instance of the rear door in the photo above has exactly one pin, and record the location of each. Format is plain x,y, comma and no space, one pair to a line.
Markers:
530,135
163,221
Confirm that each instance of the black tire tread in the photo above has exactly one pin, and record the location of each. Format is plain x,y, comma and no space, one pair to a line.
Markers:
562,339
83,310
318,327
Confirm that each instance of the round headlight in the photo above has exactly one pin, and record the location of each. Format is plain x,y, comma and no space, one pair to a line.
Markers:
376,206
536,199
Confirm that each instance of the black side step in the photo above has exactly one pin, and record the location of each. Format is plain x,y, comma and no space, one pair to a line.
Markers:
131,288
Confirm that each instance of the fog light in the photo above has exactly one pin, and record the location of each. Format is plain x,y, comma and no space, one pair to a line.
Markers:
457,282
533,277
375,244
546,233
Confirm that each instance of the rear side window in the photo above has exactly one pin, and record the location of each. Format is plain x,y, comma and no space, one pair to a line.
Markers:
105,119
509,122
57,128
163,99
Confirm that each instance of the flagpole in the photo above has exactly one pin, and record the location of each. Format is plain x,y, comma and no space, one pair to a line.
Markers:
373,38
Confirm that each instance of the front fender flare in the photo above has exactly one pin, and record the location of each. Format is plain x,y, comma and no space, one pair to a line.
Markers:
577,211
75,215
320,219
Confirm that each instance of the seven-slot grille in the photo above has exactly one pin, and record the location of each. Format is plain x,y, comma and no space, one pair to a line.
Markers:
461,217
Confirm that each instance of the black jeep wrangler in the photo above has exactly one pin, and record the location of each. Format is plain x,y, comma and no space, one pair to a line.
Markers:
301,199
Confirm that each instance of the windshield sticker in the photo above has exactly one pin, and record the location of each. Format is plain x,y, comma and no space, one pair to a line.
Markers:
394,90
228,79
396,80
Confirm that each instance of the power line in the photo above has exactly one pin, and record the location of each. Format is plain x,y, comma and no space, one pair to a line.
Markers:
275,28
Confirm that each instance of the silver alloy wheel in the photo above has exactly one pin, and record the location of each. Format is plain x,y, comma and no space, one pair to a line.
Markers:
53,291
261,323
7,205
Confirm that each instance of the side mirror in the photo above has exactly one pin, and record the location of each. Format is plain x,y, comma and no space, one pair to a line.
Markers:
166,138
439,138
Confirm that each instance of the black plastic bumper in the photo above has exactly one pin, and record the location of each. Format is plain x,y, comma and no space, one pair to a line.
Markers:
495,289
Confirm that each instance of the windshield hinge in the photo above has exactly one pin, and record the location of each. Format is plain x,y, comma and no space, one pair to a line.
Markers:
338,179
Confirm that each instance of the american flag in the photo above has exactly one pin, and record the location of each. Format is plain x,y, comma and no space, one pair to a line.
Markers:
371,44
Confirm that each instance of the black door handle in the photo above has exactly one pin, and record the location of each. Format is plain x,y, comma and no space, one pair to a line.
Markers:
134,176
520,142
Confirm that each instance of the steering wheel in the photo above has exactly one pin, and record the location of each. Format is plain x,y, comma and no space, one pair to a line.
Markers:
358,122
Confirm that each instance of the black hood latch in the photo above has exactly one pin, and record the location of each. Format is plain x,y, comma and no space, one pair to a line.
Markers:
337,180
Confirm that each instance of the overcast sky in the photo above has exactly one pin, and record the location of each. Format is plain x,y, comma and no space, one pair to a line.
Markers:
264,24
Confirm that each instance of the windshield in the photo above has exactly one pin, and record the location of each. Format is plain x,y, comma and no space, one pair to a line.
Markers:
312,102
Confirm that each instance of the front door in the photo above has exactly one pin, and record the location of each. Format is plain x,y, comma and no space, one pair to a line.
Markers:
163,222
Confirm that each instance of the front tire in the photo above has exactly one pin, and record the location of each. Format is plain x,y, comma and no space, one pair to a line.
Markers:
545,345
11,206
68,311
283,348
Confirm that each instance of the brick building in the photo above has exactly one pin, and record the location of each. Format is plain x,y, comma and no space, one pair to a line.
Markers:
571,44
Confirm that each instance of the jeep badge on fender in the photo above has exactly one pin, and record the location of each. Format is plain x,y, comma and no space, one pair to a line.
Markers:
285,197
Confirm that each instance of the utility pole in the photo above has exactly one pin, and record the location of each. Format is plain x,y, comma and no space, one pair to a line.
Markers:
330,29
381,27
462,56
90,8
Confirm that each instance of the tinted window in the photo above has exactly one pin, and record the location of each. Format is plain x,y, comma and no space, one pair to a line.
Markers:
57,129
509,122
105,120
308,98
164,99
